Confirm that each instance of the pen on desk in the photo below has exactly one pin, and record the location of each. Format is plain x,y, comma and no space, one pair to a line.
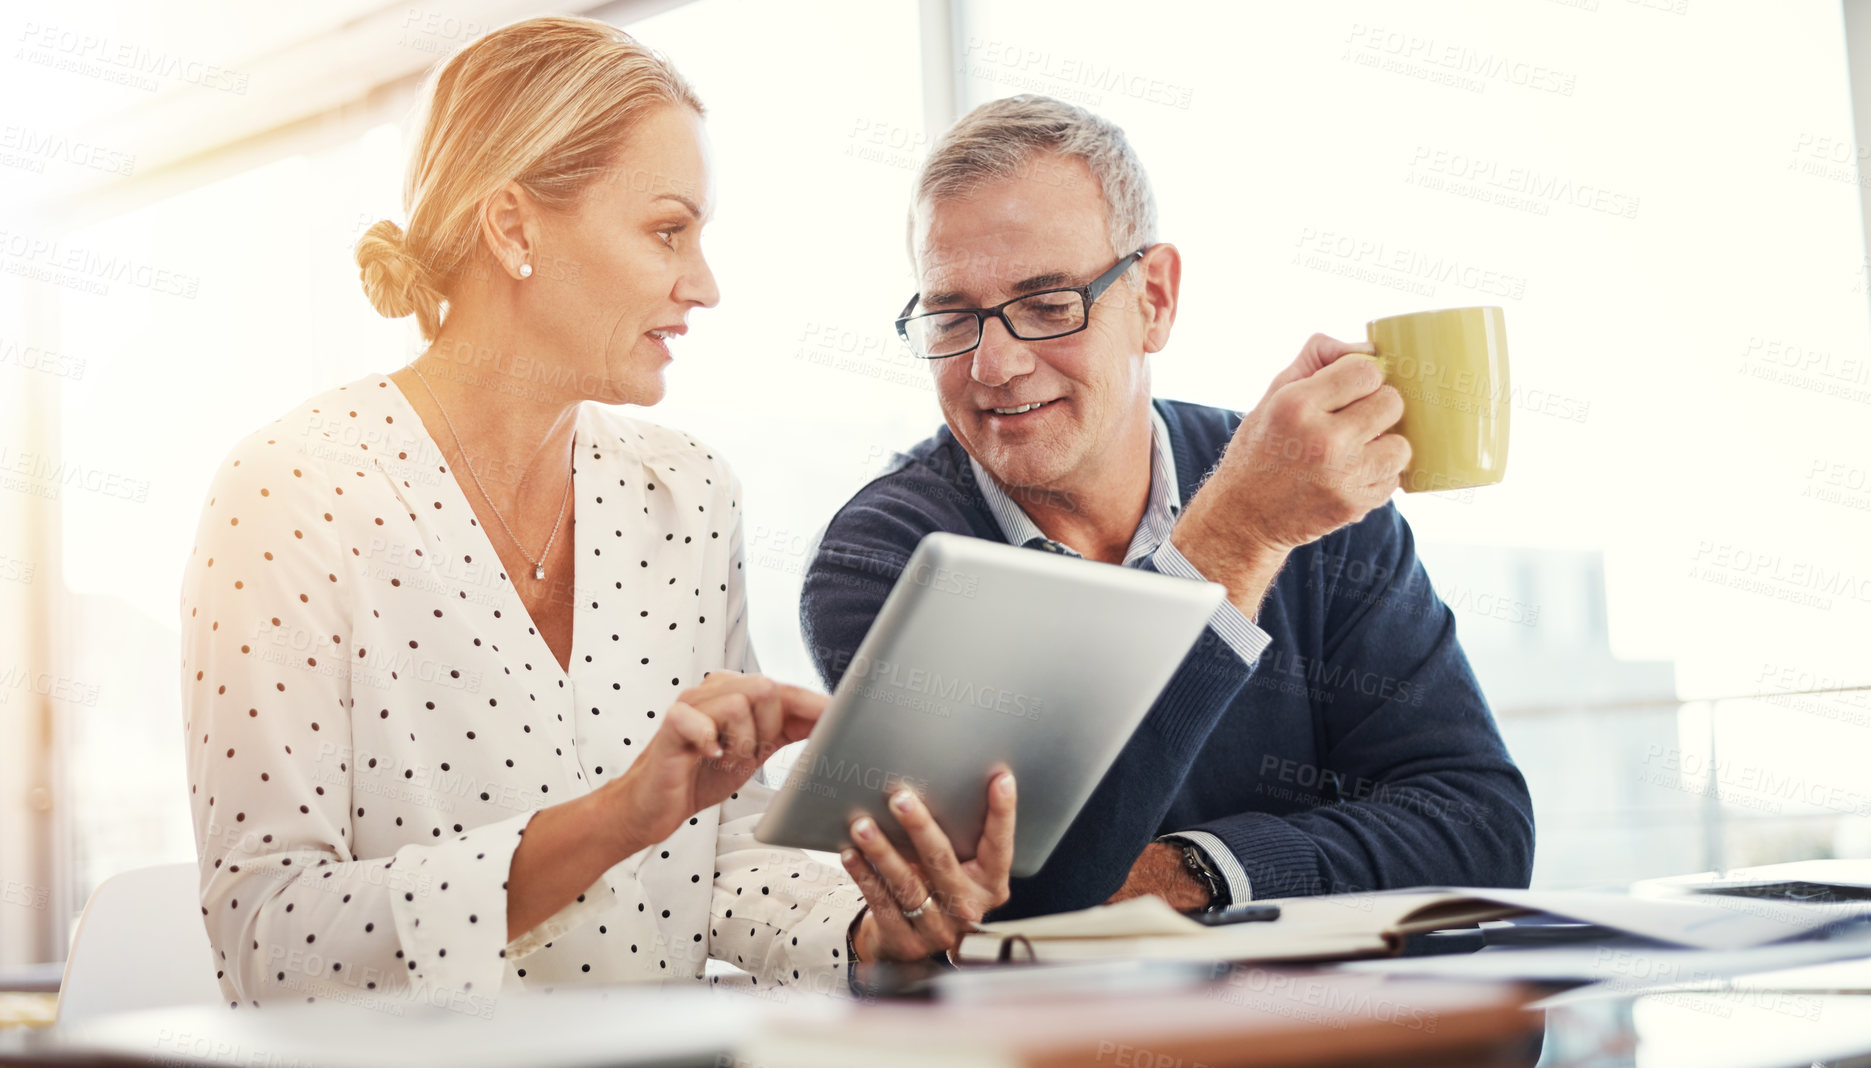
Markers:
1249,912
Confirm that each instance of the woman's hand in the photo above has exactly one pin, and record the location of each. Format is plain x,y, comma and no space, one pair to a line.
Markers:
921,908
712,740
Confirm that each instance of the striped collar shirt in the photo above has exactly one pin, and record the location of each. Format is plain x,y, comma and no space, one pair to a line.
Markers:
1150,542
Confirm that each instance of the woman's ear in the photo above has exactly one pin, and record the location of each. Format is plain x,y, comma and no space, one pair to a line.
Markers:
508,228
1161,269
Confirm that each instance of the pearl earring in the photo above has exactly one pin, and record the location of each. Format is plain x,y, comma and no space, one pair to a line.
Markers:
526,270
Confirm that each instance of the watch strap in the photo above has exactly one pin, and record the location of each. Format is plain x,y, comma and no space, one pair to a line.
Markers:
1196,862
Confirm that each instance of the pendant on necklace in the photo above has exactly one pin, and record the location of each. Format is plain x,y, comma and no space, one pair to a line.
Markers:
539,571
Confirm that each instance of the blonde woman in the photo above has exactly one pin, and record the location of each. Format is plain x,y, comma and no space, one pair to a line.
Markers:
470,701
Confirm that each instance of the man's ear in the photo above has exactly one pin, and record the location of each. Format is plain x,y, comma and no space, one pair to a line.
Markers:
1161,270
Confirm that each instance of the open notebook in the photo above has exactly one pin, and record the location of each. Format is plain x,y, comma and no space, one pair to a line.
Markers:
1342,926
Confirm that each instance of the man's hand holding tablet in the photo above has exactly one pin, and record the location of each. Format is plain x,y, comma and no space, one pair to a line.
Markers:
985,662
917,909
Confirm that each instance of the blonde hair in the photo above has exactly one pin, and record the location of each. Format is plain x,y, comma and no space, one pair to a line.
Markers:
545,103
1003,138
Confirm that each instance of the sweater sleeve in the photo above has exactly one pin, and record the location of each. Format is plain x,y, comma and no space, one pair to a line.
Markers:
864,549
1417,787
291,911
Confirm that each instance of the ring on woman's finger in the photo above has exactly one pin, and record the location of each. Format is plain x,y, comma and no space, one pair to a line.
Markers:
911,914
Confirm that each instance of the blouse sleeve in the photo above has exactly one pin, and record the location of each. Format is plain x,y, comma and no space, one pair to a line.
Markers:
777,913
266,695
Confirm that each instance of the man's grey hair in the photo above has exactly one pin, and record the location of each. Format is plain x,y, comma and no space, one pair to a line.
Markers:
1012,136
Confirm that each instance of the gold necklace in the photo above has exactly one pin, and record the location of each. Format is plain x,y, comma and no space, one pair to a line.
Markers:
539,565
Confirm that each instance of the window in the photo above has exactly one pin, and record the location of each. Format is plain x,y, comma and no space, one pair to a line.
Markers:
1682,267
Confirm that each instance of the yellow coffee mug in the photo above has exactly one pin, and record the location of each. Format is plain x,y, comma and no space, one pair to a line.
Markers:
1451,368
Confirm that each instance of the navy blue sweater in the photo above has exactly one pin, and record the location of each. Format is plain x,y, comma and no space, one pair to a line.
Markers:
1358,753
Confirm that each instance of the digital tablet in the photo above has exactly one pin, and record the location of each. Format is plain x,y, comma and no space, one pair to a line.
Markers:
984,656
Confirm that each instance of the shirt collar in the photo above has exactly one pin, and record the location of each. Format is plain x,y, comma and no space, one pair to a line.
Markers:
1159,513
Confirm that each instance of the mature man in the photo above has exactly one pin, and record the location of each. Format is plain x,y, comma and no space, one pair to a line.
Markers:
1326,734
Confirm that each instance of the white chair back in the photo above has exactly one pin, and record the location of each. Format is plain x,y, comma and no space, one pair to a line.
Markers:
140,945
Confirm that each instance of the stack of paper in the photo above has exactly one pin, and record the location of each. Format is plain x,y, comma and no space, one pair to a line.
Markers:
1345,926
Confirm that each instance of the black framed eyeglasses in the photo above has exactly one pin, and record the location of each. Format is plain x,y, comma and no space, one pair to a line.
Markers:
1039,316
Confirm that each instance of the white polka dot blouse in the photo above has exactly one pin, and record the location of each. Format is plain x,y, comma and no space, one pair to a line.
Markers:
372,719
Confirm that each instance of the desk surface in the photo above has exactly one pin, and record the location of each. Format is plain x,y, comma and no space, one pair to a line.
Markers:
1794,1019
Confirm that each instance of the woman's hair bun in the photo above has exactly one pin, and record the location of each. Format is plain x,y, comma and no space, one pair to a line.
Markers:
396,281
